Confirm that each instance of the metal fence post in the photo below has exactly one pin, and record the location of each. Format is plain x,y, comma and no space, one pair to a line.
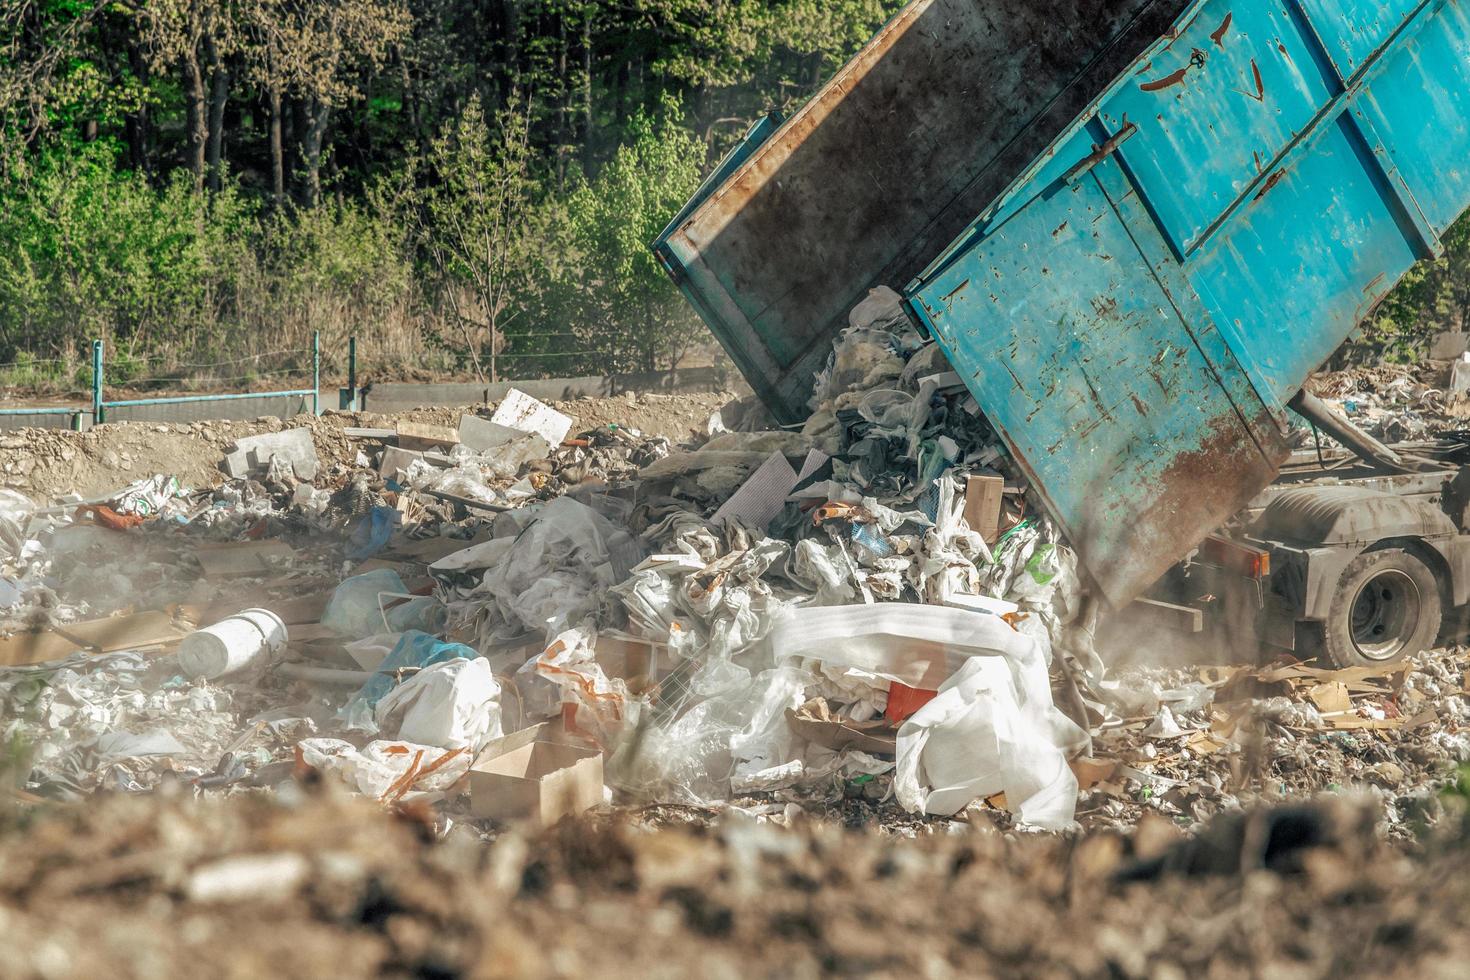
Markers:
96,381
352,371
316,373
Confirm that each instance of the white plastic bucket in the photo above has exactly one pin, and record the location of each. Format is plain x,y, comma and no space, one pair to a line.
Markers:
232,644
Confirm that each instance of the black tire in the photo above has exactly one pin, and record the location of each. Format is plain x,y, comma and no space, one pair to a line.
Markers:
1386,607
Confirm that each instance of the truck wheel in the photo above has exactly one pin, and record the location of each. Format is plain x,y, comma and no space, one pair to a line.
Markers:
1386,607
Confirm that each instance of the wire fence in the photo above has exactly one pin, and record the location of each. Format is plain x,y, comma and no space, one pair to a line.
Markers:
115,382
103,378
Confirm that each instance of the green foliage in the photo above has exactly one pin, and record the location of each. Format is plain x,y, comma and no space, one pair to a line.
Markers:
608,282
470,185
1433,297
473,221
89,251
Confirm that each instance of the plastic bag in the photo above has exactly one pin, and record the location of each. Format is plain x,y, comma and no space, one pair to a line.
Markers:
414,649
557,573
989,731
148,496
381,765
371,534
453,704
359,607
355,608
691,758
601,704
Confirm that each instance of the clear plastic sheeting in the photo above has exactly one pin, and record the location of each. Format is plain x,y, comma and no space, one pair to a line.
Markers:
735,730
556,574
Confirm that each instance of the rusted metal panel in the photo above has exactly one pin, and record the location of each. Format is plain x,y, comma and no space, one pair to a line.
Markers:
1135,426
883,168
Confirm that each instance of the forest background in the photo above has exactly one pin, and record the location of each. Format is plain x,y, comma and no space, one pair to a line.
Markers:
468,187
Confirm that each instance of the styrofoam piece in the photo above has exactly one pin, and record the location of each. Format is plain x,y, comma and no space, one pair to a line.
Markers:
519,410
232,644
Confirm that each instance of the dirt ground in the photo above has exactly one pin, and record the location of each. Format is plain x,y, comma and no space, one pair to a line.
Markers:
43,463
314,884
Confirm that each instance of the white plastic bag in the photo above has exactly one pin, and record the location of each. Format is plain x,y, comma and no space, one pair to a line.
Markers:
985,733
451,704
993,726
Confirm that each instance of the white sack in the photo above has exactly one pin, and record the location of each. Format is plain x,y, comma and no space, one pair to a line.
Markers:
988,731
992,728
452,704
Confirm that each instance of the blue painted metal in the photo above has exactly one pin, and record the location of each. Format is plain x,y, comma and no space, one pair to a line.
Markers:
96,381
1134,332
316,373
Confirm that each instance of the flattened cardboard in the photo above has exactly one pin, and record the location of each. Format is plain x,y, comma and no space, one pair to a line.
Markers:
243,559
136,632
983,494
814,722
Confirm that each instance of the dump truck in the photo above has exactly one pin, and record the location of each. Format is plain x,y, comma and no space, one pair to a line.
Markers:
1135,227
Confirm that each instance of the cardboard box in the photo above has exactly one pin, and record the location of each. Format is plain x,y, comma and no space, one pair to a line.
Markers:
640,663
983,494
422,437
536,781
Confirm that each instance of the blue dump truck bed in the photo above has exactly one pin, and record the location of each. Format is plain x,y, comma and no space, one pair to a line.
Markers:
1133,309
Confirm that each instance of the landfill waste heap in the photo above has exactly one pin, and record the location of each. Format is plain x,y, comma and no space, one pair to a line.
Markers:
509,623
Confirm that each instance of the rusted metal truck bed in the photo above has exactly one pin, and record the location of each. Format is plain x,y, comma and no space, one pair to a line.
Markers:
880,171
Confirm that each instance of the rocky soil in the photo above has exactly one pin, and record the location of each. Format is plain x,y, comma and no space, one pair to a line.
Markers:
312,884
45,463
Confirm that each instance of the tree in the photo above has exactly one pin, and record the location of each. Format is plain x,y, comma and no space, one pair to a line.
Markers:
474,218
194,36
612,285
316,51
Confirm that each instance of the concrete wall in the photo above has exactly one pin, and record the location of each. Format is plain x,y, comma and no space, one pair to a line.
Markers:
398,397
41,419
395,398
281,406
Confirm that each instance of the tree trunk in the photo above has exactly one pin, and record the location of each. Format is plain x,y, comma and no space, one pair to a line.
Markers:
137,124
195,122
563,103
317,115
219,93
278,158
588,12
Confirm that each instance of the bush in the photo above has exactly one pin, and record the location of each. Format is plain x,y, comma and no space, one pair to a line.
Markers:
89,251
604,281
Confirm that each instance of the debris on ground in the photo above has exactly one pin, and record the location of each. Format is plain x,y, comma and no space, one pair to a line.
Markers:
507,617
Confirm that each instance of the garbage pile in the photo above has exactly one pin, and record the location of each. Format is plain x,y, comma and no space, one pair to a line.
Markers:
1398,403
514,621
